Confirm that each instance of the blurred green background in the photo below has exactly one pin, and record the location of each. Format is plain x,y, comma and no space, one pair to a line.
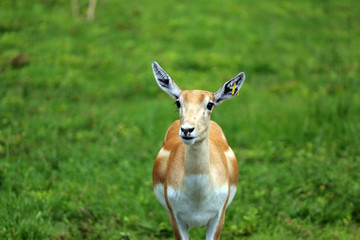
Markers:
82,118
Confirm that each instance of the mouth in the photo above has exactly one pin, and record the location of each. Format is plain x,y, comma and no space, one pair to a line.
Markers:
188,140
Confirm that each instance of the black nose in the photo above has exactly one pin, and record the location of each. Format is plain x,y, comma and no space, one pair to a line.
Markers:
187,131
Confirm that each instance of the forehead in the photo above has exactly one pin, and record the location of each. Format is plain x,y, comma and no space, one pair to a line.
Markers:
196,96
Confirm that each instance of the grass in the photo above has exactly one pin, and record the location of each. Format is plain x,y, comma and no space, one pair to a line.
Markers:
82,119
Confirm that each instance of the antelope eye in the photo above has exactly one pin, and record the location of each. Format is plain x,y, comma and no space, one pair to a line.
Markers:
178,103
210,105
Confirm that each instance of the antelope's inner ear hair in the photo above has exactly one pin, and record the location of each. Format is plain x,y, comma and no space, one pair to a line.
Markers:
165,82
229,89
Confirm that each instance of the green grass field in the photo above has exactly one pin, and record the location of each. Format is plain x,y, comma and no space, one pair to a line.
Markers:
82,118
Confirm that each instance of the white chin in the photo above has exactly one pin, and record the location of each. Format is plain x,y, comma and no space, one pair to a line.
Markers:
188,141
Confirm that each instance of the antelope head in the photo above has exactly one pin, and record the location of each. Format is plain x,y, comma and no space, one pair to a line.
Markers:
195,106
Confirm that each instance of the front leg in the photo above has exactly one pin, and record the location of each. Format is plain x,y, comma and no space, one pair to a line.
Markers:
214,226
181,230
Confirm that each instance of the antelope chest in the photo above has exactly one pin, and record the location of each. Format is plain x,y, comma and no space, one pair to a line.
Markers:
197,202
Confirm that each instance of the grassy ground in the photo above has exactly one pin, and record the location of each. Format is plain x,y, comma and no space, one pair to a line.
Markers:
82,119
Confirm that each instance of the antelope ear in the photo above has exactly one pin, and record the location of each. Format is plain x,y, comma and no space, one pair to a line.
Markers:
165,82
229,89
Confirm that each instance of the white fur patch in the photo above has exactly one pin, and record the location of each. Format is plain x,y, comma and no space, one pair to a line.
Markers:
232,195
229,154
159,193
163,153
197,203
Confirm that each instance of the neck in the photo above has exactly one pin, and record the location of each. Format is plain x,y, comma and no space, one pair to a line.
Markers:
197,159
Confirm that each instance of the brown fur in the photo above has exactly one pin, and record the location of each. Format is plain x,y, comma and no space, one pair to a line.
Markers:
172,168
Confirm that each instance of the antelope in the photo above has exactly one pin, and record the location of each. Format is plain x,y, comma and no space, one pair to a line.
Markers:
195,174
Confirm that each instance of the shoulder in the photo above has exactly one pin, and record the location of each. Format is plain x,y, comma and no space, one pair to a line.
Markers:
172,133
171,153
216,134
